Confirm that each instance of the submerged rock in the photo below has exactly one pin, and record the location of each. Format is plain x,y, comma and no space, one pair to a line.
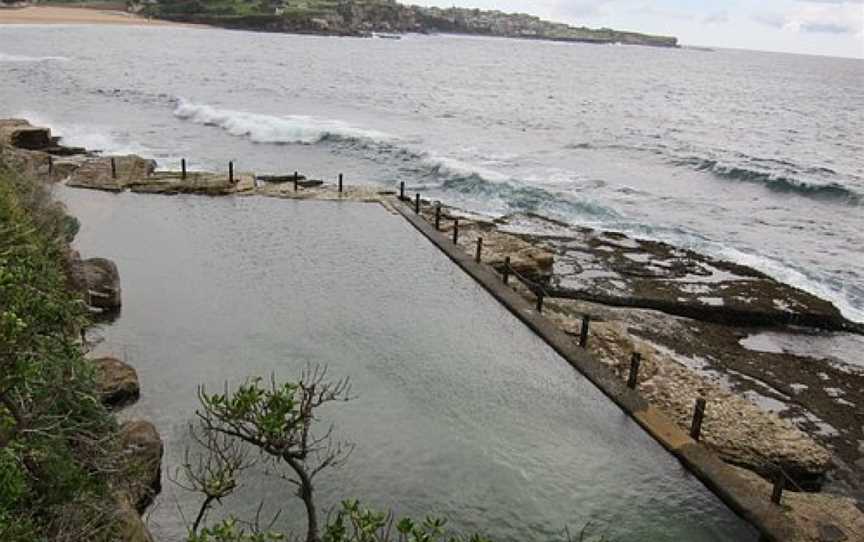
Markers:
142,448
117,381
102,280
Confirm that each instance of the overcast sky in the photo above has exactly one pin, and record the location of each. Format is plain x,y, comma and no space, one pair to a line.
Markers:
825,27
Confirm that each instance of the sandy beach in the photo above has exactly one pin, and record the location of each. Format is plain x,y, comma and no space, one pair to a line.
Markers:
62,15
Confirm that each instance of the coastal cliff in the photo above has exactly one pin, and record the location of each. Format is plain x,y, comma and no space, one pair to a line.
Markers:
365,17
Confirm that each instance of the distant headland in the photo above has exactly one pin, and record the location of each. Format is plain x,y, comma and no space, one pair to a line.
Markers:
371,17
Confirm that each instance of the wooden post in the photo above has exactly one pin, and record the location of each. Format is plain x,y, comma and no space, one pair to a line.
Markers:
417,204
296,178
183,168
456,231
479,249
698,416
113,168
539,301
438,216
583,334
402,191
635,362
231,172
779,485
340,183
506,276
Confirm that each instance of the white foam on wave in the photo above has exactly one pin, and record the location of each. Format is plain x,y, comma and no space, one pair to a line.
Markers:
786,274
6,57
262,128
89,136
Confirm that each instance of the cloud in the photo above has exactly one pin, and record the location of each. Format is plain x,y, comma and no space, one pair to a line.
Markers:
716,18
818,16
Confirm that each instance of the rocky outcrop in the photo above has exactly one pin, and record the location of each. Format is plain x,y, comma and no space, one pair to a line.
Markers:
128,525
739,431
111,173
102,280
117,381
142,449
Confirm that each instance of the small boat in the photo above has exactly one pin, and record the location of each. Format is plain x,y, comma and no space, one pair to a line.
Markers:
385,36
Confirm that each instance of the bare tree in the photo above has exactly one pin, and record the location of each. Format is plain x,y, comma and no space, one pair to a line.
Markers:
278,419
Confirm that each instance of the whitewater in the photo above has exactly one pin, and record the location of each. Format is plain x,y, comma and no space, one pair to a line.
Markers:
752,157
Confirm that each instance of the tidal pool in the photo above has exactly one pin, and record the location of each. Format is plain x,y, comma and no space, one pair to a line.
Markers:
460,410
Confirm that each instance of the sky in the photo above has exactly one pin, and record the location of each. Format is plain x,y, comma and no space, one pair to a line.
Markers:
821,27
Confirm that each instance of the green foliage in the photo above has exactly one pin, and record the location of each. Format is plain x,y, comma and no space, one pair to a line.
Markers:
55,436
355,523
229,530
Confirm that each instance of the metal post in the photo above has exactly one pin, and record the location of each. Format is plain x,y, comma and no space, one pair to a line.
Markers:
183,168
455,231
50,165
437,216
540,301
698,416
417,204
479,249
402,191
295,180
231,172
340,183
779,484
635,362
506,276
583,334
113,168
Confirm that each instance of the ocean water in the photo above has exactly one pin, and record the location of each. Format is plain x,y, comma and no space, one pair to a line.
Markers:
753,157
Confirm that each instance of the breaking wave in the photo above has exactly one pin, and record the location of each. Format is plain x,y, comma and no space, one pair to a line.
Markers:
778,183
4,57
261,128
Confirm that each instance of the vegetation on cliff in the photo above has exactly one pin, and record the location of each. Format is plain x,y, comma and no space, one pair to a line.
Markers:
56,439
363,17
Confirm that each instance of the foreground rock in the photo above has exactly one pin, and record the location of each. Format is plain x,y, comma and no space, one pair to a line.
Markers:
117,381
817,517
102,280
99,174
142,449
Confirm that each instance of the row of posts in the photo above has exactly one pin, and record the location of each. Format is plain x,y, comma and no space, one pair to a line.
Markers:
635,360
296,177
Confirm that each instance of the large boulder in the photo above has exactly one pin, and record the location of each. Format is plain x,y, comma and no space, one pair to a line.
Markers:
102,280
142,448
117,381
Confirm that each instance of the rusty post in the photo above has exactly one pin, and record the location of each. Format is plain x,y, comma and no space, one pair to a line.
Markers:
779,485
402,191
50,165
506,276
417,204
231,172
540,301
635,362
438,216
479,250
113,168
455,231
340,183
296,179
698,417
183,168
583,334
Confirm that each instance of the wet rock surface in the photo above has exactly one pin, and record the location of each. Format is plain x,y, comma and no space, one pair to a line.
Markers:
117,381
